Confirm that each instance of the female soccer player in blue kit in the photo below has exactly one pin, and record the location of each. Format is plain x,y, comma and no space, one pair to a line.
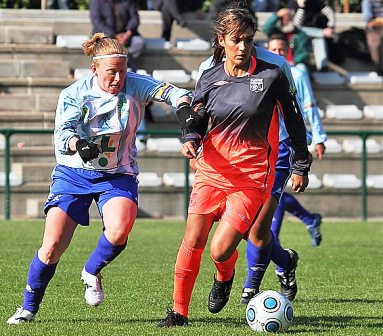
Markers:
235,167
95,132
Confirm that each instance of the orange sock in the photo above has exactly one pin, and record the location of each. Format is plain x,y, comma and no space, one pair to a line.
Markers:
185,274
225,269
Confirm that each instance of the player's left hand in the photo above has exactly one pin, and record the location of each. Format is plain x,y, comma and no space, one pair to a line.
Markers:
319,150
299,183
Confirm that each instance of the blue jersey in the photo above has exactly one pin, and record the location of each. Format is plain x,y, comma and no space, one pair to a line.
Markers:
111,121
308,104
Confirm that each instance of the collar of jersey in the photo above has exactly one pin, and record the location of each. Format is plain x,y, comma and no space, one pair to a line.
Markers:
250,70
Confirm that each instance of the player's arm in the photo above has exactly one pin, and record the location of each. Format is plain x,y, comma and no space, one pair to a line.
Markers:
67,140
193,120
297,132
311,113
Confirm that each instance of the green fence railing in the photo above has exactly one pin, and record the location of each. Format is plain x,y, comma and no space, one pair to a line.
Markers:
8,132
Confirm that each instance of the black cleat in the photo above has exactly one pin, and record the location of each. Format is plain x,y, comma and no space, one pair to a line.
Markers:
287,279
247,295
173,319
219,295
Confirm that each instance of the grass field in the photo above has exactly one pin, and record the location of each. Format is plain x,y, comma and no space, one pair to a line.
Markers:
340,283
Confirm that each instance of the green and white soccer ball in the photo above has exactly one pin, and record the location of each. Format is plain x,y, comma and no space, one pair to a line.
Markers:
269,312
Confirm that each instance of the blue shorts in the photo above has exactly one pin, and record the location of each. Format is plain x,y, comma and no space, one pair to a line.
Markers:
282,168
74,189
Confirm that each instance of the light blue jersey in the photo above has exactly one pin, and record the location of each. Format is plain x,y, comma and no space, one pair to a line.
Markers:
309,107
268,56
111,121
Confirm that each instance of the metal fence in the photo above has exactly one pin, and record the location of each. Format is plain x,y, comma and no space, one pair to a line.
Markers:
7,132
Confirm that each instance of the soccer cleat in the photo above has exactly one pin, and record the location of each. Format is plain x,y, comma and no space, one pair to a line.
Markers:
314,230
21,316
247,295
173,319
94,294
287,279
219,294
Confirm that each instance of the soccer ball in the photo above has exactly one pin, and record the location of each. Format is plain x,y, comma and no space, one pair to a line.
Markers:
269,311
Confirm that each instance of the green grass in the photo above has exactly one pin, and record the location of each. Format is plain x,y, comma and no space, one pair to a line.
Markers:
340,283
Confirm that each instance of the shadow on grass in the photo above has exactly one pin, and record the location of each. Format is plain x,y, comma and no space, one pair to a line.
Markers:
325,323
232,322
342,300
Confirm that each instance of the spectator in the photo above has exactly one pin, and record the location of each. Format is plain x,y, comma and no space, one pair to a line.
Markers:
172,10
145,4
60,4
118,19
317,20
265,5
298,52
372,11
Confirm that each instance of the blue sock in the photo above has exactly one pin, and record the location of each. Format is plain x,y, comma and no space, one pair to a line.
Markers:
279,256
258,258
104,253
39,275
279,213
294,207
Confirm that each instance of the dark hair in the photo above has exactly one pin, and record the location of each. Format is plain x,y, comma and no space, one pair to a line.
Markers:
234,18
278,37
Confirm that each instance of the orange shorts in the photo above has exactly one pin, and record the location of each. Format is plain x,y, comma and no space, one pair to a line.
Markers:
239,208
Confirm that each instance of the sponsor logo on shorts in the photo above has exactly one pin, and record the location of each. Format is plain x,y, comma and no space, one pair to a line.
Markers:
244,218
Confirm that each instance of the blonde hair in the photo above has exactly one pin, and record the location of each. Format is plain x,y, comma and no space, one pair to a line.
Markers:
101,44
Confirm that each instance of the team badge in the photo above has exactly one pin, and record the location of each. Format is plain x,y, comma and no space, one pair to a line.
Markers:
256,84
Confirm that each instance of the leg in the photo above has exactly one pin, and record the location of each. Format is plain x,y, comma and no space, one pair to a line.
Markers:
59,229
119,214
189,260
187,267
119,211
170,12
258,249
223,251
277,220
262,244
311,220
137,44
319,46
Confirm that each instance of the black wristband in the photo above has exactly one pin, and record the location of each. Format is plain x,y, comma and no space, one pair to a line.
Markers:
87,150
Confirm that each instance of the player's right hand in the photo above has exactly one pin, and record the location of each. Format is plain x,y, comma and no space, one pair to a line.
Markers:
87,150
189,149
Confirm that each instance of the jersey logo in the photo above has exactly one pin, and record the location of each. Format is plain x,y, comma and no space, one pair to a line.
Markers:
256,84
220,83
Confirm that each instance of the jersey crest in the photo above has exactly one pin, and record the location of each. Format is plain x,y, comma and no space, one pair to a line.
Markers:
256,84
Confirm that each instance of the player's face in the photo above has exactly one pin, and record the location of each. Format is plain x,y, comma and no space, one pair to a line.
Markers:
278,47
111,73
238,47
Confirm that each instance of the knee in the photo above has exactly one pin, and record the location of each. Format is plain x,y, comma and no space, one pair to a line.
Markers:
260,236
49,254
219,253
117,236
